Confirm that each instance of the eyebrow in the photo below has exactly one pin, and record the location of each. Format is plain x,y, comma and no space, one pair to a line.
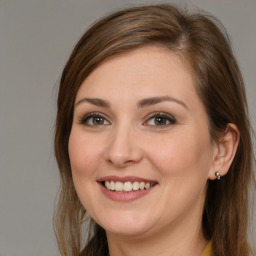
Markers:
94,101
142,103
154,100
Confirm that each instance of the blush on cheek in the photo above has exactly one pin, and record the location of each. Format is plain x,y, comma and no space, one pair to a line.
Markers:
80,165
83,158
178,157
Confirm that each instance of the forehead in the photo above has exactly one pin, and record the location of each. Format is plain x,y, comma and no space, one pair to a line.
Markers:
144,71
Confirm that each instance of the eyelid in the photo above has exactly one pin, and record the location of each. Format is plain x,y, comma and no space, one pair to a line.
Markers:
84,118
169,117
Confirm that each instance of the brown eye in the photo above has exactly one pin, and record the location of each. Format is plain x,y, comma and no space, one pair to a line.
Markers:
98,120
161,119
94,119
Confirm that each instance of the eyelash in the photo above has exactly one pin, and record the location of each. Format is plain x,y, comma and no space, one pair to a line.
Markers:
166,117
84,119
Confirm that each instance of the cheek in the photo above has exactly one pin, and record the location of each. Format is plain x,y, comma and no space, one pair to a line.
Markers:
182,163
84,159
187,153
83,154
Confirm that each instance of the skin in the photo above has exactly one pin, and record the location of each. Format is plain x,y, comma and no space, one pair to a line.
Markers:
179,155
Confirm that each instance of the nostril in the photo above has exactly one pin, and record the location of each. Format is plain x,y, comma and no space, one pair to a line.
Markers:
120,162
122,152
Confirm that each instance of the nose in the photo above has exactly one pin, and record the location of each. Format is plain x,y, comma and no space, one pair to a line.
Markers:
123,147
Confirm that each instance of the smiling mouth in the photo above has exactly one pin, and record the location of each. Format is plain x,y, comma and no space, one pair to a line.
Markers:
127,186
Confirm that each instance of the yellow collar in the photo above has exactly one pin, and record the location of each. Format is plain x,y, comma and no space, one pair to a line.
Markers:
208,250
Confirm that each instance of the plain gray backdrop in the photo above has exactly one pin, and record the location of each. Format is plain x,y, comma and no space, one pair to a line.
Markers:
37,37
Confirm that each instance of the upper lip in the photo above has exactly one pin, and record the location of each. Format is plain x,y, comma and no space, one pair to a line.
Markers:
125,178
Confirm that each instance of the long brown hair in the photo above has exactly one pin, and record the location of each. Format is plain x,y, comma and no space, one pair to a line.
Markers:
201,41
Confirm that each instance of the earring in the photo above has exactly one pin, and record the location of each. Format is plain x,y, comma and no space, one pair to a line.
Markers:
218,176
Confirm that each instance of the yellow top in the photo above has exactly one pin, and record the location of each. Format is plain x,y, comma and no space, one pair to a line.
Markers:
208,250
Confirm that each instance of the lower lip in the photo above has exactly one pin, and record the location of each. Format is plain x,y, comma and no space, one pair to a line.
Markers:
125,196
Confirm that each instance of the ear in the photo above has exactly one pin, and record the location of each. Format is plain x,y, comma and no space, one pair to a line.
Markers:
224,151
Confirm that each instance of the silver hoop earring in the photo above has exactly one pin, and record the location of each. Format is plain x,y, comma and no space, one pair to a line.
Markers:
218,176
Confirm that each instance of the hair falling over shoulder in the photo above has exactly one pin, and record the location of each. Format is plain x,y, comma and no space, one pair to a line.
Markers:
201,41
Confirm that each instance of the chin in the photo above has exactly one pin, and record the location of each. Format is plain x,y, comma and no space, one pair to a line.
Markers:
126,231
127,226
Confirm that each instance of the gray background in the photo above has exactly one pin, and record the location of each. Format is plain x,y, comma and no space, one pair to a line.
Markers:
37,37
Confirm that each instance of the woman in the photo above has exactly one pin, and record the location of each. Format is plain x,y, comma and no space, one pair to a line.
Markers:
153,139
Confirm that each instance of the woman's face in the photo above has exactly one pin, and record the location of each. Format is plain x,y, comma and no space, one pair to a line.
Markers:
139,147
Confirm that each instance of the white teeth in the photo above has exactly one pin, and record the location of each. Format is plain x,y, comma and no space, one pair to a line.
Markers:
136,185
147,185
119,186
127,186
107,185
112,185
